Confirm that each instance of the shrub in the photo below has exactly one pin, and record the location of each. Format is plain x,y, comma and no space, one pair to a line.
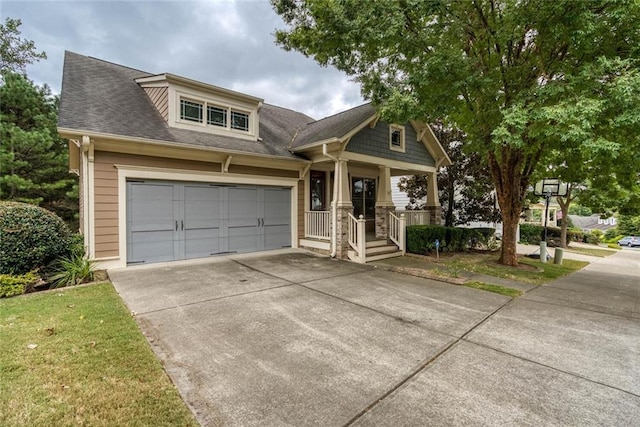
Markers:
594,237
532,234
611,235
73,270
421,238
30,237
11,285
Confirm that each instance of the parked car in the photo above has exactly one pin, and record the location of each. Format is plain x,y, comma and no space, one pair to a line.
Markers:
629,241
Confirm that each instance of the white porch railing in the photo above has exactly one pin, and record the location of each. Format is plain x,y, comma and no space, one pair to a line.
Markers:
317,225
397,231
357,239
415,217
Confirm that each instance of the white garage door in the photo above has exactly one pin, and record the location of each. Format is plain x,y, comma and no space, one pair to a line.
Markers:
171,221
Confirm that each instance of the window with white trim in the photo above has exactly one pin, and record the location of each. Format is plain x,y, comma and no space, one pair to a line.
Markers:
191,111
396,138
216,116
239,121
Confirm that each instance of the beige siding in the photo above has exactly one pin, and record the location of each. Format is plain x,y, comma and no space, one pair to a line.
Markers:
301,205
160,98
251,170
106,191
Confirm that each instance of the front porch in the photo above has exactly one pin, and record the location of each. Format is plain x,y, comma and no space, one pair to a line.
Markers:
353,217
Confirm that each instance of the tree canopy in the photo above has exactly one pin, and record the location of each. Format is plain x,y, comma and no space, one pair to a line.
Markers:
519,77
16,53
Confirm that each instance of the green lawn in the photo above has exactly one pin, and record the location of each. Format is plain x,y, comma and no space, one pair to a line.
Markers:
496,289
77,357
528,271
600,252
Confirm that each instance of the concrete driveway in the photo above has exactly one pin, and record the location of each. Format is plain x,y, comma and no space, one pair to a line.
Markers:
295,339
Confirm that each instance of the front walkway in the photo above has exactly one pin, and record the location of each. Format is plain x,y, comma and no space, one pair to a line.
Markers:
294,339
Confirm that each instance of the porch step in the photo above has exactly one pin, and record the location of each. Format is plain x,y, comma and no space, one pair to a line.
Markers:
376,250
376,243
384,256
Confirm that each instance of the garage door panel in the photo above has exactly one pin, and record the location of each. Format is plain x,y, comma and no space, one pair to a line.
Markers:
277,236
202,242
151,246
151,207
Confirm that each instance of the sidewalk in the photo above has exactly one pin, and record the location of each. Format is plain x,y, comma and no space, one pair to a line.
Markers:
566,353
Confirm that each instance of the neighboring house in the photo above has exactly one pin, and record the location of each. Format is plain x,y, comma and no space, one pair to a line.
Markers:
593,222
534,214
171,168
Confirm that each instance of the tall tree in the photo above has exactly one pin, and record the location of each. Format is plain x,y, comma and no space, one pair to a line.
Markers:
464,188
33,158
505,71
15,52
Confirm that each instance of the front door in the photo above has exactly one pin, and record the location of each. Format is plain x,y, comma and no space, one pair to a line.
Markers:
363,197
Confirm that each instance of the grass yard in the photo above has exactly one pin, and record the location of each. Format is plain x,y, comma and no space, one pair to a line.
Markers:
77,357
528,271
591,251
496,289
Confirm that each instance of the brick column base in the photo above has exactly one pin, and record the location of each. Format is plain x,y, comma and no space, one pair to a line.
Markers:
435,214
342,225
382,221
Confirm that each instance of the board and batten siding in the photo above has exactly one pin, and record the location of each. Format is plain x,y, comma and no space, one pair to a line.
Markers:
375,142
160,98
106,189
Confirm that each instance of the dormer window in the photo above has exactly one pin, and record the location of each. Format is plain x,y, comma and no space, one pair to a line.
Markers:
217,116
239,121
190,111
396,138
197,106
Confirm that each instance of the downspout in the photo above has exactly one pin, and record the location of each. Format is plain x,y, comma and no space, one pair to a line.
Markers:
334,203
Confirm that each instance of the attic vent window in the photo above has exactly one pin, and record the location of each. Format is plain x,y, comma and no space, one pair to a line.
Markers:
239,121
217,116
396,138
191,111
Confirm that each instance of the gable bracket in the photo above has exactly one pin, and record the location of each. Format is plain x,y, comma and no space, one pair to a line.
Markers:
421,133
374,122
303,171
225,165
344,143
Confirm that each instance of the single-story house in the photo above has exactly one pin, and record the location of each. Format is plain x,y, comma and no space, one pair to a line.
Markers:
593,222
172,168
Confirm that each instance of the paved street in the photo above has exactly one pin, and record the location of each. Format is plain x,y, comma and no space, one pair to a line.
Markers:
295,339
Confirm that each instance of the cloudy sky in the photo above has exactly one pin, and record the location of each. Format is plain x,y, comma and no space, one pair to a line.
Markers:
222,42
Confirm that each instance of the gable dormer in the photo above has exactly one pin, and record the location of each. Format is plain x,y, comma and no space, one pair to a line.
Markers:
193,105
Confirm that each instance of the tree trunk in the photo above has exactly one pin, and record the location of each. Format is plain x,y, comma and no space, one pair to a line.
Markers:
511,185
564,208
448,222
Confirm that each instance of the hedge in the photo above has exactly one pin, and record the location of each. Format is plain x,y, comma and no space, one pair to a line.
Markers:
421,238
532,234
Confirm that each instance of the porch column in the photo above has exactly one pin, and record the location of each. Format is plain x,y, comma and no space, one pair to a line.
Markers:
343,206
433,201
384,202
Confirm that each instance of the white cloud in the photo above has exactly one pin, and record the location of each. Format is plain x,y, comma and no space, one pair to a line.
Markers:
225,43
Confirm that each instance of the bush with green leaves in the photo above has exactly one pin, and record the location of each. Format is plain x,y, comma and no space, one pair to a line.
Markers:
421,238
594,237
72,270
30,238
11,285
532,234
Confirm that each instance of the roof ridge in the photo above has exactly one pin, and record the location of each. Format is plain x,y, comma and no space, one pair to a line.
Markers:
289,109
109,62
340,112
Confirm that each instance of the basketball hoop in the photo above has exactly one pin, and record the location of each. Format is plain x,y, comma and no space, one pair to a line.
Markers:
548,188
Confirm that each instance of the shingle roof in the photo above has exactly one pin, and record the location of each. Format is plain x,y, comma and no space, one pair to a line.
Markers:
589,222
335,126
103,97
